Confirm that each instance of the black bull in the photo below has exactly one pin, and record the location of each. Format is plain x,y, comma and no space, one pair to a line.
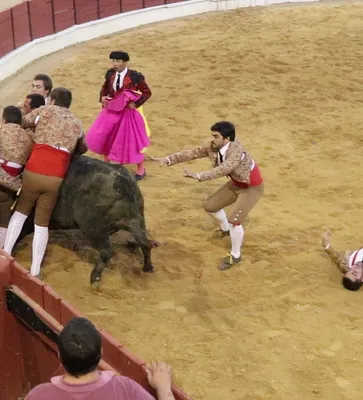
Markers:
100,199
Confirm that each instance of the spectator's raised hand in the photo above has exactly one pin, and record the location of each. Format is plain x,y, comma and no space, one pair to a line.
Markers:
159,377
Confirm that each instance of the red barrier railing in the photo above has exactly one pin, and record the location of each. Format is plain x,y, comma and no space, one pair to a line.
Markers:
34,19
28,357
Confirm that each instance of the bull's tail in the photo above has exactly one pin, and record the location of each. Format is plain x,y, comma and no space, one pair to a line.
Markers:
137,229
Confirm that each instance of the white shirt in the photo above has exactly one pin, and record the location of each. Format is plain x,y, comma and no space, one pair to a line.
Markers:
223,152
355,257
122,76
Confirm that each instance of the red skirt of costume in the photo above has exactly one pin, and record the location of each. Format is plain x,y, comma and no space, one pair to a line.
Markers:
119,132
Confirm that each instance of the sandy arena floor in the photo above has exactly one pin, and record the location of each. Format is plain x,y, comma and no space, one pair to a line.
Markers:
279,326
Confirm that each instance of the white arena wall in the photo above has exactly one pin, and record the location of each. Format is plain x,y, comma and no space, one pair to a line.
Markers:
19,58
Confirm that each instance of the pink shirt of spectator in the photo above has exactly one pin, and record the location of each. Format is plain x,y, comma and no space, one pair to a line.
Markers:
108,386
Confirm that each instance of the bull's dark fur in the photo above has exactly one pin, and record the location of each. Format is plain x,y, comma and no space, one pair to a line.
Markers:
100,199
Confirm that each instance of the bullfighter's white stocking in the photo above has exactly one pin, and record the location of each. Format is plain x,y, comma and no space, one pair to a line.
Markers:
2,237
14,229
221,217
40,242
236,232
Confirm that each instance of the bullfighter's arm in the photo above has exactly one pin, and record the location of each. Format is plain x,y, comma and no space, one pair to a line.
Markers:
30,120
188,155
20,105
142,86
30,132
221,170
81,146
8,181
104,90
340,258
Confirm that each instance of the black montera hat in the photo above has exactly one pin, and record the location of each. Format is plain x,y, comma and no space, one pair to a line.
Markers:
119,55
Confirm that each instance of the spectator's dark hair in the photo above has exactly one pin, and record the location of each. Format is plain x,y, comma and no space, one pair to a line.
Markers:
48,83
351,285
109,73
36,100
79,347
12,115
62,97
225,128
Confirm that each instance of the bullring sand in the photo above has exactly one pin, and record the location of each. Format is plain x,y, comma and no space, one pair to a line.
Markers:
279,326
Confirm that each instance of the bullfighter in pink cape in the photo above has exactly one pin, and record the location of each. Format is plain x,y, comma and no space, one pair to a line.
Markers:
121,132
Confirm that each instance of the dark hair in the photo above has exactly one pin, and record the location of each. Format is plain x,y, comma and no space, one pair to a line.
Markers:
12,115
225,128
351,285
62,97
48,84
119,55
79,347
36,100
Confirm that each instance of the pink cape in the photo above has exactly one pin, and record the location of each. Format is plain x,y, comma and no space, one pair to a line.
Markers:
119,132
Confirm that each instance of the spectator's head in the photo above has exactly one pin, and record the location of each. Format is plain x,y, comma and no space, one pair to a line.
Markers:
80,347
33,101
119,60
222,132
42,84
12,115
353,279
61,97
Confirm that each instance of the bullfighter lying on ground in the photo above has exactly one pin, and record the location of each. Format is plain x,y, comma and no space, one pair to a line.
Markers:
349,262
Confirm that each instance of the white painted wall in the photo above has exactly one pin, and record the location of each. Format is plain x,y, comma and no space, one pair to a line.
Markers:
17,59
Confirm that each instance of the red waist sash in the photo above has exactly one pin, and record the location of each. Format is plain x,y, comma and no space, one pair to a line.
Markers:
255,179
12,171
47,160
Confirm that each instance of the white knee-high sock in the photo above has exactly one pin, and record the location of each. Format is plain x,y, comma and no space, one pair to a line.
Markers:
221,217
40,242
2,237
236,232
14,229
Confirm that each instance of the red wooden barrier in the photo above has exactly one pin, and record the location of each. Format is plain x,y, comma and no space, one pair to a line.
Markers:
153,3
86,10
29,357
38,18
109,7
6,33
64,14
131,5
41,18
21,24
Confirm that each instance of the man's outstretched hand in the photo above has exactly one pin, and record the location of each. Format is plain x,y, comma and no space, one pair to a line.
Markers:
190,174
162,161
326,239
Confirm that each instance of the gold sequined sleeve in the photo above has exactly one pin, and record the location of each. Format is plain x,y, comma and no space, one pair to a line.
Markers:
340,258
30,120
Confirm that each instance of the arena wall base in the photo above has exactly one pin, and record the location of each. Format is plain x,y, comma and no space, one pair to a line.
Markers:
19,58
31,317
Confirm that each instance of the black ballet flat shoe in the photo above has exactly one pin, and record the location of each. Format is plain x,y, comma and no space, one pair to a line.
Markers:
140,177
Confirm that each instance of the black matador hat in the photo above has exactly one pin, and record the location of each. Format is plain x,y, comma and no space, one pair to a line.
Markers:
119,55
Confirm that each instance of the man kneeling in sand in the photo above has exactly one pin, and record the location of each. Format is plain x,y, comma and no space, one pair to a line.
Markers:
349,262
